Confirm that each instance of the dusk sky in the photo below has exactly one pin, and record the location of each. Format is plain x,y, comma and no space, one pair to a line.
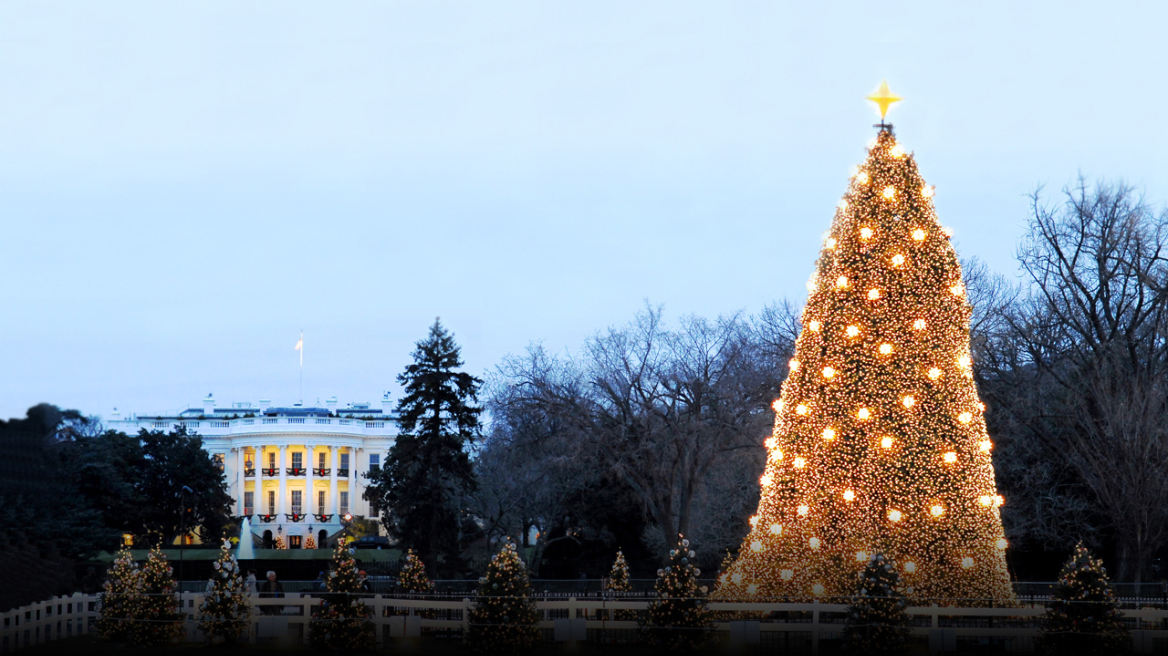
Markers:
184,187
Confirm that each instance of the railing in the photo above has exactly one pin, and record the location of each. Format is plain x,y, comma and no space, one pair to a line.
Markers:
791,626
296,420
324,421
375,424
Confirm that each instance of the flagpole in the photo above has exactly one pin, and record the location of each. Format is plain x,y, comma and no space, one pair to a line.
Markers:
301,366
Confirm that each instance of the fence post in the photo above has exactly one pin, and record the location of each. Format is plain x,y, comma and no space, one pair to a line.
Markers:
815,626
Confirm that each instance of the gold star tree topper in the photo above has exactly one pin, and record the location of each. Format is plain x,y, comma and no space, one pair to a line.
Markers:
884,98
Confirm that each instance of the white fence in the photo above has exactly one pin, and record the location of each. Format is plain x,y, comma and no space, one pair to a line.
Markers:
790,627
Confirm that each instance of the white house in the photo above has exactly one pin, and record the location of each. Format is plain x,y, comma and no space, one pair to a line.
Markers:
295,471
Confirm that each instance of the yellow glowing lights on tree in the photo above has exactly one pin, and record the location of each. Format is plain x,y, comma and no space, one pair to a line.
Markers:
756,546
881,456
1002,544
965,417
966,562
778,405
766,480
984,446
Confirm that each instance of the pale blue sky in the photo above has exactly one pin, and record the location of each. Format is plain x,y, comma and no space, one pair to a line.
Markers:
184,187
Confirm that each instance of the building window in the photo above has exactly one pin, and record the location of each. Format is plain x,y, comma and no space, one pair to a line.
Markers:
293,540
344,503
344,461
271,502
218,458
297,460
320,459
297,501
248,503
271,459
320,501
374,462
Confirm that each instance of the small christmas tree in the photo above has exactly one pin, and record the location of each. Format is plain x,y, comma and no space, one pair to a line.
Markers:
158,620
342,621
504,618
877,622
1083,616
280,542
412,577
679,619
226,608
618,584
310,542
117,598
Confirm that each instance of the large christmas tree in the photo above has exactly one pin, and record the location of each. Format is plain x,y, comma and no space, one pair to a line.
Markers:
226,608
879,441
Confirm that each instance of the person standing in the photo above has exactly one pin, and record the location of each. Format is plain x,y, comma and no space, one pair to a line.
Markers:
271,589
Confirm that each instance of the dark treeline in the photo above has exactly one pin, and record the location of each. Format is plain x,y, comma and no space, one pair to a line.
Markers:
650,431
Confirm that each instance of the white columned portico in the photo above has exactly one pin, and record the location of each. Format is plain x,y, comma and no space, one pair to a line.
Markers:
283,482
356,503
261,499
352,480
240,480
309,489
334,500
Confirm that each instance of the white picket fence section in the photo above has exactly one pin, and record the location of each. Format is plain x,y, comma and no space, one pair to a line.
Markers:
572,619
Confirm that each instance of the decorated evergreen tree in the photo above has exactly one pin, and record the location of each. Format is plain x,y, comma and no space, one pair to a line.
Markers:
428,468
310,542
342,621
678,619
158,620
226,608
879,439
504,618
412,577
118,596
877,622
279,543
619,583
1083,616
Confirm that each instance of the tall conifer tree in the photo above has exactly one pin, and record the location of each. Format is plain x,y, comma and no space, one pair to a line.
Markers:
428,469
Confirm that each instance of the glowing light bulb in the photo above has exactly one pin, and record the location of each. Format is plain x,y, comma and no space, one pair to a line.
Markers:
736,578
950,457
776,529
918,234
934,373
829,434
948,232
865,233
852,331
751,589
777,454
1002,544
724,578
770,442
861,556
843,204
813,543
957,290
831,242
986,500
754,521
794,364
863,414
919,324
967,562
799,463
841,282
873,294
910,567
801,409
813,326
927,191
889,192
897,151
908,401
817,589
862,177
897,260
981,406
894,515
886,443
803,510
786,574
828,373
985,446
964,361
756,546
937,511
766,480
885,348
849,495
965,417
999,500
777,405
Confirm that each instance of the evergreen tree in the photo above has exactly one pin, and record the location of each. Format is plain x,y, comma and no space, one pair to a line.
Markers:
412,577
118,596
877,622
504,618
158,620
310,542
678,619
618,583
1083,617
428,469
226,608
279,542
342,621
